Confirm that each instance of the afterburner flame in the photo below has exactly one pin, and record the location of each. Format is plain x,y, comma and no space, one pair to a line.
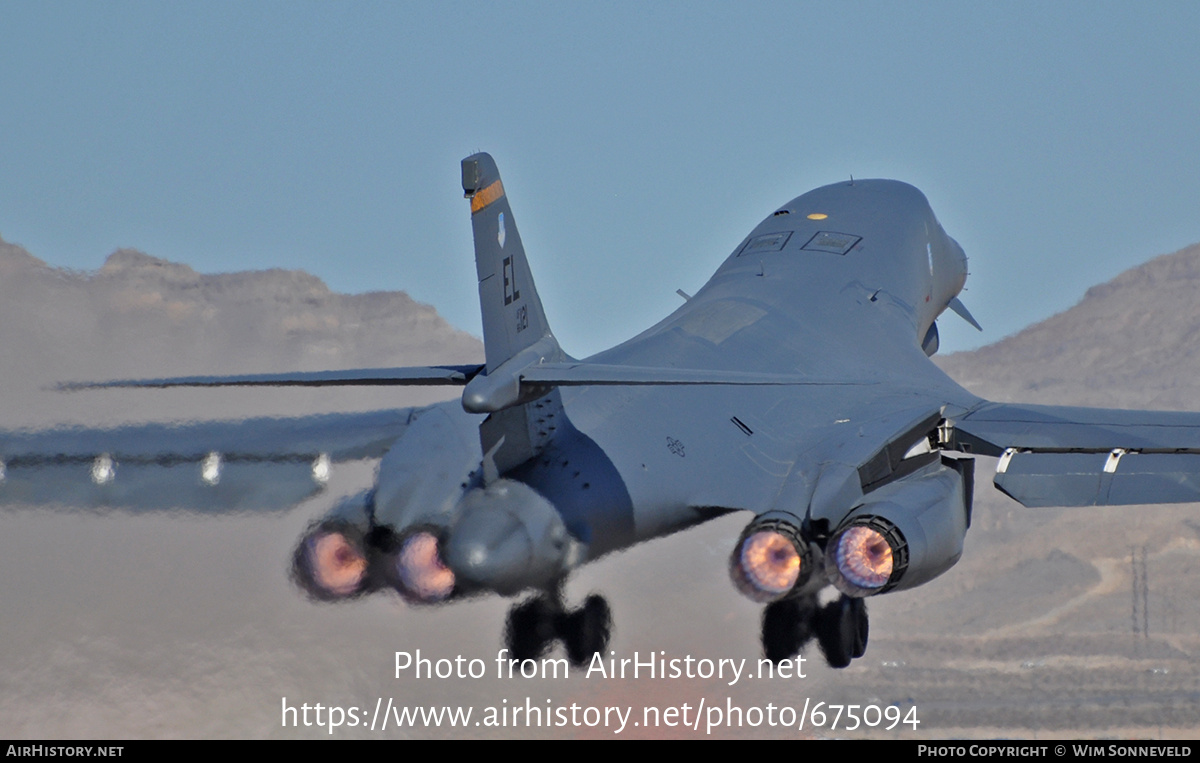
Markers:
770,562
421,571
864,557
338,565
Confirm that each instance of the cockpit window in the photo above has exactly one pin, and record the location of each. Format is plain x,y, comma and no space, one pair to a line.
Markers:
767,242
835,243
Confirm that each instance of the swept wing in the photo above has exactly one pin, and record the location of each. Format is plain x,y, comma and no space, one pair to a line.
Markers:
212,466
1071,456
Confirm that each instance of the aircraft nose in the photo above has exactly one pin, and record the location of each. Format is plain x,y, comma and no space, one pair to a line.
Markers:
507,538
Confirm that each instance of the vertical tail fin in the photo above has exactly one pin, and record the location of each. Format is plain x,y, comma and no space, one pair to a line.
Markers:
513,318
514,328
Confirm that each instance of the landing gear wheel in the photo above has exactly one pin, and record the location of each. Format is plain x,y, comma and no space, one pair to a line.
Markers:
530,628
862,631
534,624
586,630
787,626
842,630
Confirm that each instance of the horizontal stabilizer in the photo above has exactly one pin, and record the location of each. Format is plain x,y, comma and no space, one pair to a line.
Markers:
505,387
595,374
356,377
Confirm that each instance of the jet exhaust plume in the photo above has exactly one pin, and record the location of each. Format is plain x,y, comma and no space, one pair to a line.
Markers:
421,574
331,564
769,561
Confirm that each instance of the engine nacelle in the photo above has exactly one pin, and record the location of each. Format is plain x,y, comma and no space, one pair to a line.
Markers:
507,537
771,559
906,534
423,477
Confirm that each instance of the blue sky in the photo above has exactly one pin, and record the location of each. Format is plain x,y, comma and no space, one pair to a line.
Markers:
639,142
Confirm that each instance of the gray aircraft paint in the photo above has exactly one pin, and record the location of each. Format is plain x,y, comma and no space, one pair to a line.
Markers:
792,384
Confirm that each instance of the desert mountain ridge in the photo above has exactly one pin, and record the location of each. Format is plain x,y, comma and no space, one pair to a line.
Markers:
1131,342
136,304
142,316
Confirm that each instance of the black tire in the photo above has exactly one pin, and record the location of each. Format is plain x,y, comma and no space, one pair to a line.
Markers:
862,629
587,630
787,626
529,630
837,631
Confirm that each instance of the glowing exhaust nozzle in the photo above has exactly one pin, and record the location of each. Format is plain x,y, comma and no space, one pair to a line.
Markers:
332,564
422,575
769,561
861,559
864,557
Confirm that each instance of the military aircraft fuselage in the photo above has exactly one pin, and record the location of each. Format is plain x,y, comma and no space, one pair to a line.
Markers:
838,287
795,386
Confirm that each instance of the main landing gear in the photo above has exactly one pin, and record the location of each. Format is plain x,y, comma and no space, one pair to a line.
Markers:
534,625
839,626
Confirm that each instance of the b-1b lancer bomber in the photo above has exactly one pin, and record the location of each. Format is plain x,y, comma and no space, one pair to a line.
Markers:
795,386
